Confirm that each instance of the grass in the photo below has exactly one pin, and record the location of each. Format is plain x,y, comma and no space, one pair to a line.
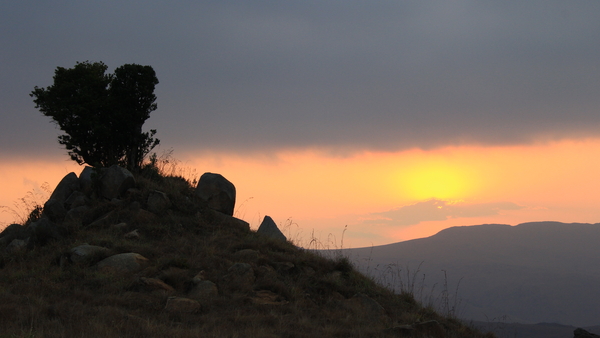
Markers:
41,296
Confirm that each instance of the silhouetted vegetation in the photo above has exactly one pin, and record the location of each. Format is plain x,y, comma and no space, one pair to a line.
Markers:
102,114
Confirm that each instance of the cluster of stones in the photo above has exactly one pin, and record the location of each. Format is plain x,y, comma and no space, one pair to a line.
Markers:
68,207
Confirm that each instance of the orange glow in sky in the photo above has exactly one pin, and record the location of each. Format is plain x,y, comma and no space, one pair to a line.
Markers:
385,197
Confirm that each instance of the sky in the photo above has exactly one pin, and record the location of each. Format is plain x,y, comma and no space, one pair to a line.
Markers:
351,123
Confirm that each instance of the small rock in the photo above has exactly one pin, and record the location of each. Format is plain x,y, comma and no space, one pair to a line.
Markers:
132,234
199,277
87,254
123,263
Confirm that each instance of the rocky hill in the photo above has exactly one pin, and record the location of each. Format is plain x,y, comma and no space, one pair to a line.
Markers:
119,255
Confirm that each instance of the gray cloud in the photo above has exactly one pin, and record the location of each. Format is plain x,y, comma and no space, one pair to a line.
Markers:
436,210
243,76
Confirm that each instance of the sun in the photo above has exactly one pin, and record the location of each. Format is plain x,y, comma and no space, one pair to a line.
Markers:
435,180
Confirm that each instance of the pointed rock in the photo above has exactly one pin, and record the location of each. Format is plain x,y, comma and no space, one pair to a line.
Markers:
269,228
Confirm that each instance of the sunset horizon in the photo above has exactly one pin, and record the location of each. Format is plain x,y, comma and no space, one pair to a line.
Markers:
377,122
376,198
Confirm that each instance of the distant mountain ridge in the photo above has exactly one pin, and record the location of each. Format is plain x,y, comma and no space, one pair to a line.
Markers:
529,273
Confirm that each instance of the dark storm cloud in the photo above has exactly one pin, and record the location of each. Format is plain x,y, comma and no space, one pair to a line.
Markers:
243,75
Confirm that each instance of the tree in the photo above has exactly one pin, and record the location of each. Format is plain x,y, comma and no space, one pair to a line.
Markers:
102,114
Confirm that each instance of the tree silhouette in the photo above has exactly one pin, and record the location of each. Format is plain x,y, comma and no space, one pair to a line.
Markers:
102,114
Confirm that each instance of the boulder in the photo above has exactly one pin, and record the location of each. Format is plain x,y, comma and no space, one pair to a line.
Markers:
54,210
158,202
181,305
87,254
65,188
85,180
217,192
269,228
115,181
123,263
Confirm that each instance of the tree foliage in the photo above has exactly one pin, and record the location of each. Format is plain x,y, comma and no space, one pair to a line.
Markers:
102,114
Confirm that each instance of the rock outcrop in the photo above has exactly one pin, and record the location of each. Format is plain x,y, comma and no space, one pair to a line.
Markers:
217,192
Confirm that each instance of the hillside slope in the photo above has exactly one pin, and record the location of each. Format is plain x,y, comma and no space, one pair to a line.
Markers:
115,269
529,273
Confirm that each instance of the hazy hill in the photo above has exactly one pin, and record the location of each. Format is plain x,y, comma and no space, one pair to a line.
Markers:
114,268
529,273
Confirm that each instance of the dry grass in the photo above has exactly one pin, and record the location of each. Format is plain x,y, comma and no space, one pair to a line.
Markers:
42,297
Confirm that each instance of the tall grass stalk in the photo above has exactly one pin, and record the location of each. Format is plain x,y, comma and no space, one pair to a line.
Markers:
29,207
